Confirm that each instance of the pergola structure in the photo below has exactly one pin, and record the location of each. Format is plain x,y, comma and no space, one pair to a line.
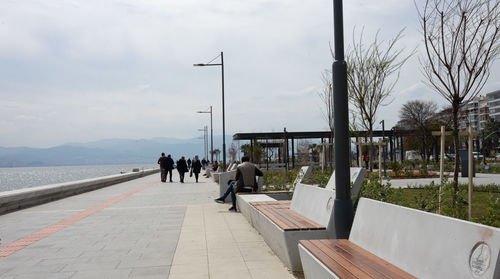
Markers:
286,140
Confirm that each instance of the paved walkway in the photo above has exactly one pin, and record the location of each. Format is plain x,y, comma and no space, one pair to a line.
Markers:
137,229
480,179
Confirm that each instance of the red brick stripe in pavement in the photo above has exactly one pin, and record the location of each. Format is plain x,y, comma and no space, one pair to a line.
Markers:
10,248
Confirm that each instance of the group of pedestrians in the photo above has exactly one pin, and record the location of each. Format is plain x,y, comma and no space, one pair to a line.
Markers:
167,165
245,179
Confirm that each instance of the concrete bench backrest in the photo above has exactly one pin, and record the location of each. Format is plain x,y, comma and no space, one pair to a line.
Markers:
357,177
234,167
427,245
224,177
303,173
313,203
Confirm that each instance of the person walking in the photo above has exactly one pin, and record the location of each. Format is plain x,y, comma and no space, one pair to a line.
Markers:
162,161
215,166
196,167
245,181
182,168
203,163
169,166
189,163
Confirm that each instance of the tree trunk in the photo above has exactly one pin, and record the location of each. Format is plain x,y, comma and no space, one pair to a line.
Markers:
370,157
456,106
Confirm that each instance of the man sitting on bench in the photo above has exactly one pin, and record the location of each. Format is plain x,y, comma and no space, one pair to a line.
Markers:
245,181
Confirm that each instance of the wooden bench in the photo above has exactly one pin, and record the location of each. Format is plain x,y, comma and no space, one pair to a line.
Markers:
279,212
283,224
348,260
421,244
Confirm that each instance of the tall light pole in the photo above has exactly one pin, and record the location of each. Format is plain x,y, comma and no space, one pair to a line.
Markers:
205,141
223,110
211,135
343,208
383,147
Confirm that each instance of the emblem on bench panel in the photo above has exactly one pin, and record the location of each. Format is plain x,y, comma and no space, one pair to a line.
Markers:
479,260
329,204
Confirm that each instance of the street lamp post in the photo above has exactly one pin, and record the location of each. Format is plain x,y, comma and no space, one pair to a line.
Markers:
383,147
223,110
205,141
343,207
211,134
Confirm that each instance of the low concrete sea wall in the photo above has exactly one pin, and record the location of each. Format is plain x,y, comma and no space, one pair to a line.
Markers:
22,198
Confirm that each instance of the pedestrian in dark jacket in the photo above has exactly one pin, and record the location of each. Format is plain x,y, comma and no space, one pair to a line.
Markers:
203,163
189,163
196,167
169,166
182,168
162,161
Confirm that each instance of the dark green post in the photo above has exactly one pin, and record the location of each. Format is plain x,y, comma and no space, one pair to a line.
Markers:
343,209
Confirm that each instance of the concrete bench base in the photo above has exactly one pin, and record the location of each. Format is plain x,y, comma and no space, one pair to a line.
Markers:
314,268
285,243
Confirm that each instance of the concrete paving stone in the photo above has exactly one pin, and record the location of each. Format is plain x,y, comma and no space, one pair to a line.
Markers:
4,269
271,274
196,257
265,264
168,254
230,272
38,275
35,269
110,265
102,274
160,272
146,262
257,254
189,271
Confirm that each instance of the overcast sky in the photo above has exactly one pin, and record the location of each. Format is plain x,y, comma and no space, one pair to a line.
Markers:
77,71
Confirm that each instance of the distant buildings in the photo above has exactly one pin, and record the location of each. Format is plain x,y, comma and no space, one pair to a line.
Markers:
479,110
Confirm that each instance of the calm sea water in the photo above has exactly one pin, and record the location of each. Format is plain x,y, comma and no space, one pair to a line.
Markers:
18,178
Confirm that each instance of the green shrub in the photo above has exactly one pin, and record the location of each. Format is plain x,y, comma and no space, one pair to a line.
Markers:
319,177
492,218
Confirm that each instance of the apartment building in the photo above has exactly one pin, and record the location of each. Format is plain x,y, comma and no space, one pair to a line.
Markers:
474,114
494,104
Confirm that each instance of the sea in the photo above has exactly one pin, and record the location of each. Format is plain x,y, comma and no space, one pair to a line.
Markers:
26,177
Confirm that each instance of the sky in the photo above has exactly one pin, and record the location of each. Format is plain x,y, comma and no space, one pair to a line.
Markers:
78,71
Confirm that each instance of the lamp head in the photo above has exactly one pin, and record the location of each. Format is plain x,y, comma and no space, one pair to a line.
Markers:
198,65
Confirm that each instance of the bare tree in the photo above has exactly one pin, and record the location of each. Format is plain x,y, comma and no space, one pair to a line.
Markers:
368,72
418,115
461,41
326,95
233,151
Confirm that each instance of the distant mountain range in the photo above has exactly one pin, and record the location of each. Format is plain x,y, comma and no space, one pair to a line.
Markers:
108,151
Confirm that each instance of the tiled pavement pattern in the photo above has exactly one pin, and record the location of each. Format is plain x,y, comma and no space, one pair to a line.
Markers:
215,243
161,230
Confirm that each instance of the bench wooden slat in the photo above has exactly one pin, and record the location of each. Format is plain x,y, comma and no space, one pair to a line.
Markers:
310,223
296,222
339,259
359,262
279,212
281,223
340,270
356,251
273,214
283,203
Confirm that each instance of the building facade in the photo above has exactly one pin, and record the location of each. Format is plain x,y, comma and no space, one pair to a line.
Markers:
494,104
477,112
